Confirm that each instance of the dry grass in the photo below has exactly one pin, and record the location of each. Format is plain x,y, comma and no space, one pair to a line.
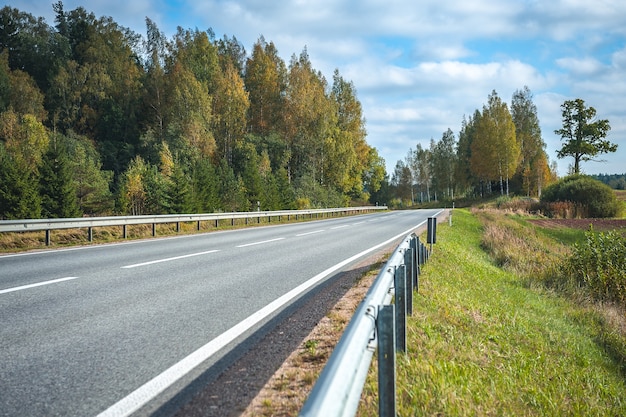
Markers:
516,246
287,390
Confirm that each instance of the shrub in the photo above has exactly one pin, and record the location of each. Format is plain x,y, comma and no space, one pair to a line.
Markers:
597,199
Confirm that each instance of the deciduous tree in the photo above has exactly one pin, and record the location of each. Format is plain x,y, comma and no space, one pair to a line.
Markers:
495,150
583,136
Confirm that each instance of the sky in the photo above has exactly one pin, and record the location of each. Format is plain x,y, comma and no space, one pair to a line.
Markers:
420,67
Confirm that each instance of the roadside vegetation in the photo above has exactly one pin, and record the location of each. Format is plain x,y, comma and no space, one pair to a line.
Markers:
507,322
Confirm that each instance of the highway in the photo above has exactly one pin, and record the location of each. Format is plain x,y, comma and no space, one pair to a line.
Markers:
111,330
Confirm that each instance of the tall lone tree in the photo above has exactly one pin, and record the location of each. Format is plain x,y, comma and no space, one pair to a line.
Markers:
584,138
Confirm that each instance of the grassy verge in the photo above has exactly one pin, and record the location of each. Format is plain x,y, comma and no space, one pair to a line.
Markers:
482,341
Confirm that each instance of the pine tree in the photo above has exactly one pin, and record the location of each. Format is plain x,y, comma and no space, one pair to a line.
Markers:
205,187
180,192
57,188
19,194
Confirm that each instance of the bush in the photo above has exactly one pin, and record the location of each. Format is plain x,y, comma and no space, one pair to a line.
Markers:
594,198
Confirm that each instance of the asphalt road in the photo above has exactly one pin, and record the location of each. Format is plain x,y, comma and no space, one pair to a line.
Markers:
107,329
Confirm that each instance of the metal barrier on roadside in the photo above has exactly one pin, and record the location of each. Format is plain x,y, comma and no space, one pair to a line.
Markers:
90,222
376,324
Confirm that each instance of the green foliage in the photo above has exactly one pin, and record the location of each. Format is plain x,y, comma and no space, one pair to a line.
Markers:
205,187
598,199
115,101
58,190
615,181
599,265
91,182
584,138
316,195
179,192
19,193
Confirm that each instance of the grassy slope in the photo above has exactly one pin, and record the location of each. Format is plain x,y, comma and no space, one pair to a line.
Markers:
481,342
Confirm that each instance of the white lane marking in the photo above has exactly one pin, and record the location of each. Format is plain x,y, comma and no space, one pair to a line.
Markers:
310,233
38,284
142,395
354,224
169,259
340,227
260,243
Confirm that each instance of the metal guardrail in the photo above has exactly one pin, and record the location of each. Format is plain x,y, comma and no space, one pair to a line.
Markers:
338,389
91,222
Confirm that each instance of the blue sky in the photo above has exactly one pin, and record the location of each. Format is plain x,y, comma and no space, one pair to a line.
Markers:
419,67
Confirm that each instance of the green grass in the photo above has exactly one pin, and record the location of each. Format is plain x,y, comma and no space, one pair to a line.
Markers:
483,342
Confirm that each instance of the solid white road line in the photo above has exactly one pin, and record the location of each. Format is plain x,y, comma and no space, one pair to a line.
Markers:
38,284
170,259
261,242
142,395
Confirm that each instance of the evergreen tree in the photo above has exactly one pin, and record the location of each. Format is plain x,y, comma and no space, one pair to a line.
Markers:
205,187
179,192
231,189
285,190
19,193
57,188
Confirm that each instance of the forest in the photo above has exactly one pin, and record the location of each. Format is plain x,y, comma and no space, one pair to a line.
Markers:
615,181
96,120
499,150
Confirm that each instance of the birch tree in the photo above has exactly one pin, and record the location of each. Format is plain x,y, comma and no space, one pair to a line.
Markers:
495,150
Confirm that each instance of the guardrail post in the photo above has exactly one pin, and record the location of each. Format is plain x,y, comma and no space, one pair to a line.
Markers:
177,227
124,232
400,290
48,237
414,260
153,229
198,226
90,234
431,234
386,361
410,266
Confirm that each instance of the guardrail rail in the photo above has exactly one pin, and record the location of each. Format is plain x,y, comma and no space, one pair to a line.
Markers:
376,325
90,222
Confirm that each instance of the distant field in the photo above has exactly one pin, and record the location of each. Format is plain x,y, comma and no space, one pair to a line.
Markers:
600,225
621,194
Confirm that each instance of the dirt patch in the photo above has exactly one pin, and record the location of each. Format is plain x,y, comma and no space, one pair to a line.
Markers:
287,390
600,225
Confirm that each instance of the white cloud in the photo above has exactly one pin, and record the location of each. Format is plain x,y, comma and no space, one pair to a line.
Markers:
582,67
